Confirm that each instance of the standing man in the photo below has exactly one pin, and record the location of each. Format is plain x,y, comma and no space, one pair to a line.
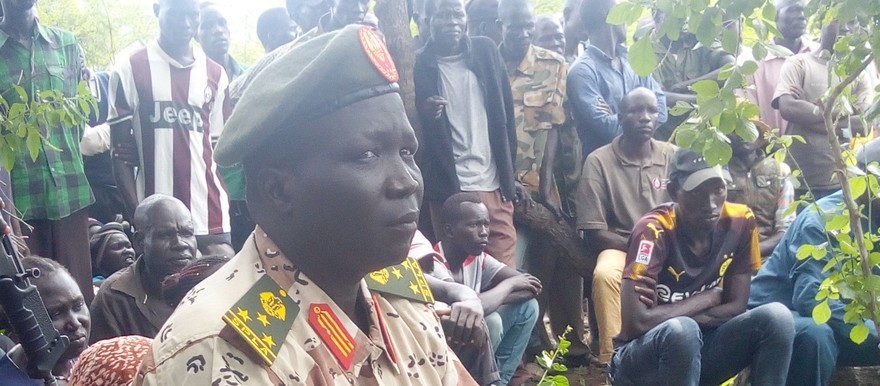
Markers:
275,28
306,13
621,182
792,25
803,80
335,191
466,109
213,35
537,81
340,14
600,78
52,193
680,325
169,101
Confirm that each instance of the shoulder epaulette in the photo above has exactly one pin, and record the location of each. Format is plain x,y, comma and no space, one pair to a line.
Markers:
263,317
405,280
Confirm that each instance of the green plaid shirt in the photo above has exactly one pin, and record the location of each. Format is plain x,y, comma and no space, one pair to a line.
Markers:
54,186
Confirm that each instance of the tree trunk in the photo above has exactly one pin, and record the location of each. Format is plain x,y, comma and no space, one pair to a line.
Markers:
394,21
562,236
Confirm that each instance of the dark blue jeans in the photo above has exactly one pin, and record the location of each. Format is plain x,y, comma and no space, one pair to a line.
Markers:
677,352
820,348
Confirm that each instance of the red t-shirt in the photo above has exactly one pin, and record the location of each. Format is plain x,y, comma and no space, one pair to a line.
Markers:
656,251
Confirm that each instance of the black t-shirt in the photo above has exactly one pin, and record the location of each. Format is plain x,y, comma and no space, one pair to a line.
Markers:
656,251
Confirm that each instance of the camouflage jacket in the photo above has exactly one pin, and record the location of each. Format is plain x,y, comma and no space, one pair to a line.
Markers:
538,87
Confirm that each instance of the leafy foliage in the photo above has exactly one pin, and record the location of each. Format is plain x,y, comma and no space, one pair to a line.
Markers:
21,125
849,252
554,373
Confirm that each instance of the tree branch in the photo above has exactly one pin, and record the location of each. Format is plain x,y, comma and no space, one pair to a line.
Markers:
848,199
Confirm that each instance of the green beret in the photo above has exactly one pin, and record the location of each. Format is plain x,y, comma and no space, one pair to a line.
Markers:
313,79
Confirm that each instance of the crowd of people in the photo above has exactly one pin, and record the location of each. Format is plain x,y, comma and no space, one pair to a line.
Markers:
282,223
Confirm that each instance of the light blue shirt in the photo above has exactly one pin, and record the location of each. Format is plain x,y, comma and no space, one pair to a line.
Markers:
592,77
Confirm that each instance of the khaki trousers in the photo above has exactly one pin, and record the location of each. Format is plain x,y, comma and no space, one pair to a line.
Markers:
606,298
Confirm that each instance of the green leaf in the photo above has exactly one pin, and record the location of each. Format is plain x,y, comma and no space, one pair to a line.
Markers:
710,26
759,51
872,282
805,251
859,333
642,57
858,185
717,152
837,222
624,13
769,11
706,88
681,108
822,312
33,143
729,41
559,367
749,67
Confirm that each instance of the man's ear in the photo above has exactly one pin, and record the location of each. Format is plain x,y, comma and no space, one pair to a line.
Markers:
447,231
277,187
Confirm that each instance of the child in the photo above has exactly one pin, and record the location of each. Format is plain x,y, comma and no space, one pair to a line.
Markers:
507,296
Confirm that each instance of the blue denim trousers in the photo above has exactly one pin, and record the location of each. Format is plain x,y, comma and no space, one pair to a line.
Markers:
678,353
510,328
820,348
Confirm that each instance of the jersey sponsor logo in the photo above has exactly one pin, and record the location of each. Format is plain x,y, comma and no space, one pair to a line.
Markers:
175,115
666,295
646,248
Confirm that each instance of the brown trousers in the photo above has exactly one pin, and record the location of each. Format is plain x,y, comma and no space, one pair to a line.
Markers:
67,242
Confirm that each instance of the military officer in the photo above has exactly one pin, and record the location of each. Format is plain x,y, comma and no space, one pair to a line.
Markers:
332,185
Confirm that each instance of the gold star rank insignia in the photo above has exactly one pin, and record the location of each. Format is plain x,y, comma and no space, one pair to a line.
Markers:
275,315
404,280
263,319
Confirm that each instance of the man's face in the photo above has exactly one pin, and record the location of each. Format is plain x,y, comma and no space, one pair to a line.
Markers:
169,242
178,20
550,35
307,15
790,20
11,6
67,309
700,208
517,26
638,117
470,231
213,32
345,12
282,36
117,255
448,21
356,192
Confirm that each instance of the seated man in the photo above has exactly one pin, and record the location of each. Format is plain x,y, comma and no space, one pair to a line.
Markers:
685,288
130,301
507,296
761,183
621,182
461,315
332,184
794,282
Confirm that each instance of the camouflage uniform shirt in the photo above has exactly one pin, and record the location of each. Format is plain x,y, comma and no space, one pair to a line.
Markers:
404,346
538,88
